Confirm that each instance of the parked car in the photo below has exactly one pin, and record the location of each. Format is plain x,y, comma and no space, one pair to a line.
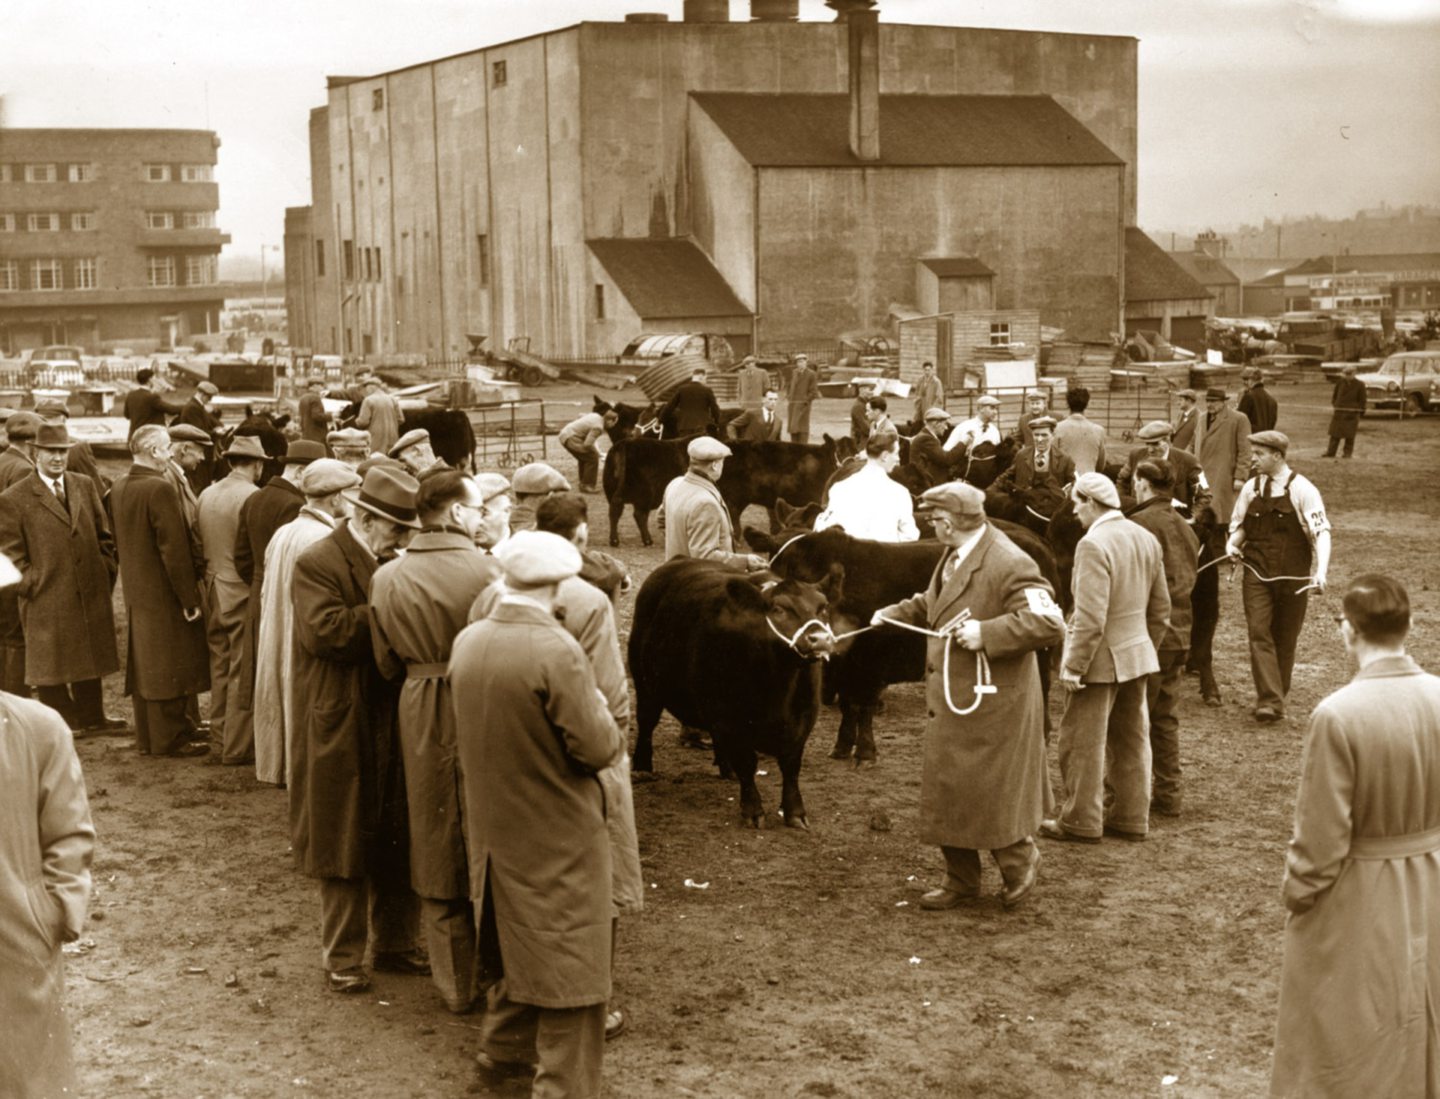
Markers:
56,366
1404,380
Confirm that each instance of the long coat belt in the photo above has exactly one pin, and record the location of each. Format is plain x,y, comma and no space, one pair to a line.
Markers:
1395,847
426,671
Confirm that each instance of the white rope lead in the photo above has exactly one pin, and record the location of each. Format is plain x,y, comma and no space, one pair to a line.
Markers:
1256,572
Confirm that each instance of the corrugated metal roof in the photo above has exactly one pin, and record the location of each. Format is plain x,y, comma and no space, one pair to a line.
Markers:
794,130
1152,275
1205,268
1363,264
667,278
957,267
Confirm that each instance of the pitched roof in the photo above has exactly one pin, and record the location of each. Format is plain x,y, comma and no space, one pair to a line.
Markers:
794,130
1378,262
1152,275
957,267
667,278
1205,268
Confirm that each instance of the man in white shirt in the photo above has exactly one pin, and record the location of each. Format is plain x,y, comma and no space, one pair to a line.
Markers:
980,428
868,504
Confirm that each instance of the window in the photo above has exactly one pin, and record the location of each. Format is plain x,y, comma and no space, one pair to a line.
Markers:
482,247
349,251
87,274
319,259
9,275
157,173
198,219
80,222
200,271
1000,334
197,173
160,271
349,342
7,223
42,223
369,264
4,173
367,344
159,219
81,173
600,301
39,173
45,275
377,99
498,71
377,264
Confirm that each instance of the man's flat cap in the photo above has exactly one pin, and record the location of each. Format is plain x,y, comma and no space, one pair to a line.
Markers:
988,401
188,433
1275,440
954,496
1043,421
348,436
1185,394
535,557
210,389
22,426
301,452
1098,487
705,448
246,446
382,462
326,475
409,439
1156,429
936,413
537,478
491,485
52,408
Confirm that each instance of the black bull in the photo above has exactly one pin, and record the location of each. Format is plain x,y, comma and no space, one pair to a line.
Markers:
875,575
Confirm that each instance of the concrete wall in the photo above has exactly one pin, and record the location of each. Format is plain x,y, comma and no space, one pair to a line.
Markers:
299,277
834,254
722,189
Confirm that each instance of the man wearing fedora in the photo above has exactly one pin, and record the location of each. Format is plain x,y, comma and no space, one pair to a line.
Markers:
228,596
347,791
1256,404
167,662
82,458
1348,401
53,527
802,389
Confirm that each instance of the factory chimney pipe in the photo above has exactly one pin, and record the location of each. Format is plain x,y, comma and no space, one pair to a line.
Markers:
862,32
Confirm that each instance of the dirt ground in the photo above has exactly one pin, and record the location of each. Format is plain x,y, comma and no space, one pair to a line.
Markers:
778,962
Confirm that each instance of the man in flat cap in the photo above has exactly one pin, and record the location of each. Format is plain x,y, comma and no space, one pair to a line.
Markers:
347,792
313,420
579,438
495,511
1121,612
928,392
982,785
927,449
1082,440
537,732
1256,404
1191,489
1037,479
1037,406
752,381
187,457
979,436
418,603
802,389
81,459
53,527
17,462
1280,530
860,415
228,597
414,451
380,415
532,483
1348,401
168,662
323,484
692,410
697,519
196,412
349,445
1186,422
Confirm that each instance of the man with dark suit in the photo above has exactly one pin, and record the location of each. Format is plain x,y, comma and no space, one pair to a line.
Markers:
81,458
693,409
1121,612
927,449
801,392
17,462
314,421
753,381
1187,422
1189,485
1037,477
1348,401
761,425
860,416
1256,404
143,404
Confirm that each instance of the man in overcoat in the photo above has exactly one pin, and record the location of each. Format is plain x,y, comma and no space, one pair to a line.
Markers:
983,776
419,602
80,459
188,446
314,421
752,380
228,597
167,660
1121,611
17,462
1348,402
144,405
46,843
692,410
196,413
347,796
928,392
1186,422
801,391
53,527
535,733
380,415
1256,404
277,708
1361,971
697,522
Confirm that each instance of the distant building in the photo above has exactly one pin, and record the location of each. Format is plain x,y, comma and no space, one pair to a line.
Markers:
774,180
1406,281
1206,267
1161,296
108,236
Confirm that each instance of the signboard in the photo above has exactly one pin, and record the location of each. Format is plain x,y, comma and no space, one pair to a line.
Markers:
1011,374
1214,358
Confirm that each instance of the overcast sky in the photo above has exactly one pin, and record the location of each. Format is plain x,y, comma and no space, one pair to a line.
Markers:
1248,108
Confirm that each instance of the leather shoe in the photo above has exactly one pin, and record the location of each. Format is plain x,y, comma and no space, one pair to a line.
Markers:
937,900
615,1022
1121,834
189,749
1166,807
1266,714
106,726
408,962
347,980
496,1074
1054,830
1014,894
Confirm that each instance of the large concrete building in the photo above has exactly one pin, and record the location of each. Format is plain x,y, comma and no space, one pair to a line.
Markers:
108,237
769,179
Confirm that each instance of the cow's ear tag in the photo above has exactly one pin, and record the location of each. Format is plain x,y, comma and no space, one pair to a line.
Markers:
766,587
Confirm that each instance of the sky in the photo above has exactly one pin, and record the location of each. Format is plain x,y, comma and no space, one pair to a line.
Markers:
1248,108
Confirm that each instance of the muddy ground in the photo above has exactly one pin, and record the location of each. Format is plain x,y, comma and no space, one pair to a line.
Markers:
801,965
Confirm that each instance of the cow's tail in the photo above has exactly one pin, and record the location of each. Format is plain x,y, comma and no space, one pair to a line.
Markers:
613,472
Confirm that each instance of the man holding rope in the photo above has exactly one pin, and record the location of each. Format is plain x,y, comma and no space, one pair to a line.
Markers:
982,784
1277,530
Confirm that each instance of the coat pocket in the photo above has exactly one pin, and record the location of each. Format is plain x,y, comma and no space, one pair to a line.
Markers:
45,911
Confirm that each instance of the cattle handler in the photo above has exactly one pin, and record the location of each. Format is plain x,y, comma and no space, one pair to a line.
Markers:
1277,530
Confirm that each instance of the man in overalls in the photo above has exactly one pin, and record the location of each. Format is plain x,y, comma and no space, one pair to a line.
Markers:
1279,528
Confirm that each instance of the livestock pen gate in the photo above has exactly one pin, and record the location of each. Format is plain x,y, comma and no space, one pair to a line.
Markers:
510,434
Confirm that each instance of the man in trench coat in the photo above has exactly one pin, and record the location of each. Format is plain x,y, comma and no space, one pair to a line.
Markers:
801,391
535,732
17,461
46,843
983,776
54,528
418,604
167,662
1361,972
347,795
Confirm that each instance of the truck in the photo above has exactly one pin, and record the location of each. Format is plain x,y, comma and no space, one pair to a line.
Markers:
1322,337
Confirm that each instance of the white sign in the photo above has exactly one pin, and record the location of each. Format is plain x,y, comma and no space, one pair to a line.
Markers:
1017,374
1214,358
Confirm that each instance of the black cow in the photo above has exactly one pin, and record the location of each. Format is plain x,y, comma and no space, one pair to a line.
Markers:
270,430
875,575
704,646
452,436
629,419
636,472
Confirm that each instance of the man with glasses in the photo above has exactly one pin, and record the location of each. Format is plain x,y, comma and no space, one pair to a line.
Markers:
496,506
